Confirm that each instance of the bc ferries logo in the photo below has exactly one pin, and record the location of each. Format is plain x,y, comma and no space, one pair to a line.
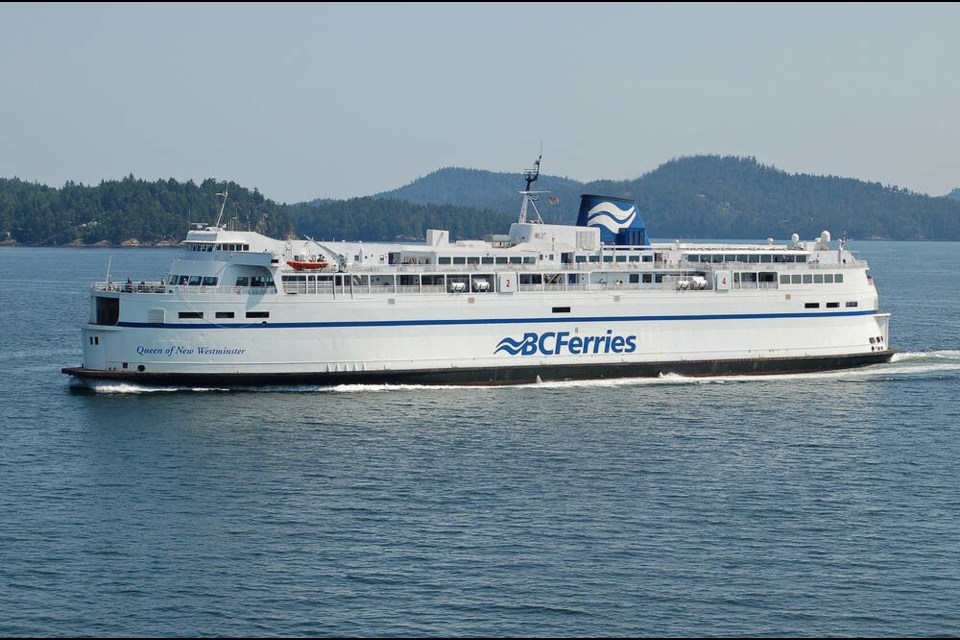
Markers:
555,343
609,215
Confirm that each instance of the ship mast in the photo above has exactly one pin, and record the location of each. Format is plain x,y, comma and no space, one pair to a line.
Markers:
222,206
530,197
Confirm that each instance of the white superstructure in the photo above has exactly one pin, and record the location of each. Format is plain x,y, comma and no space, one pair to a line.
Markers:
545,302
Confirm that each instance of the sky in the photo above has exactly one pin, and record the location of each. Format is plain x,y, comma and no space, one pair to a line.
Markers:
330,100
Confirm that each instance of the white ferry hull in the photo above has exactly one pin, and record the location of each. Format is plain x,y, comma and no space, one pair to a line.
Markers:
450,339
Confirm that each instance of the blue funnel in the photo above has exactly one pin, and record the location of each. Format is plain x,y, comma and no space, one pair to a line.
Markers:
617,218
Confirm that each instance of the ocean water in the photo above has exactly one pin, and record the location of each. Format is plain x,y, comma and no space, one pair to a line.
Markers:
811,505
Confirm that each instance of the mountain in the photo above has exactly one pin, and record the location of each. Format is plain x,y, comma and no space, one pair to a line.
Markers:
718,197
953,195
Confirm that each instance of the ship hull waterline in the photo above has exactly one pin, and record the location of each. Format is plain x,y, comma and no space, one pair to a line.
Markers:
487,376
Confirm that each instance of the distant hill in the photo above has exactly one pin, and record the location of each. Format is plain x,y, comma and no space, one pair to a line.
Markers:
694,197
489,190
718,197
128,212
380,219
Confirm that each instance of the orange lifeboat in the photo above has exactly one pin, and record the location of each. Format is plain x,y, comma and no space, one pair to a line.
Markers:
306,265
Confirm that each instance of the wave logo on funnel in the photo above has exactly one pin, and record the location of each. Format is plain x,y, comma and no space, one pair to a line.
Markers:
610,216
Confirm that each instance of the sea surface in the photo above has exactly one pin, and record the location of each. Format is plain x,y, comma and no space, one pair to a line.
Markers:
803,505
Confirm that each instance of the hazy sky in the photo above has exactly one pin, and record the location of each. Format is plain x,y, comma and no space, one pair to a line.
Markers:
339,100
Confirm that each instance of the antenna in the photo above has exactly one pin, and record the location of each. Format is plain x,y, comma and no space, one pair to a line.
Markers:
222,205
530,197
531,175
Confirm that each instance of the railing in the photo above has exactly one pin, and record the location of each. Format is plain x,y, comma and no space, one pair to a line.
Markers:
160,287
679,271
130,287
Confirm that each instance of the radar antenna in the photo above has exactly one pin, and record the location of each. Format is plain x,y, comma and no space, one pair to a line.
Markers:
531,175
530,197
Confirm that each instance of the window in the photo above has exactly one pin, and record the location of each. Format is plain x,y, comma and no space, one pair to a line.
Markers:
812,305
190,314
224,314
258,314
851,303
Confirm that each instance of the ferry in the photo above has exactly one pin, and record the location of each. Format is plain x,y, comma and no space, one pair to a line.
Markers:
543,302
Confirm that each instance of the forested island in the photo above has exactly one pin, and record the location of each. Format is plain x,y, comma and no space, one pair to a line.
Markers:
695,197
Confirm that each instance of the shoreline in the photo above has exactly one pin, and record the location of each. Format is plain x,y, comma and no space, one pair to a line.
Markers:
127,244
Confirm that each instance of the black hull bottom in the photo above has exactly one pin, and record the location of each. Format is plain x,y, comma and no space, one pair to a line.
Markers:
487,376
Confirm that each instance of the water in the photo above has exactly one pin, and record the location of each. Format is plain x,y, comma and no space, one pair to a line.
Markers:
814,505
